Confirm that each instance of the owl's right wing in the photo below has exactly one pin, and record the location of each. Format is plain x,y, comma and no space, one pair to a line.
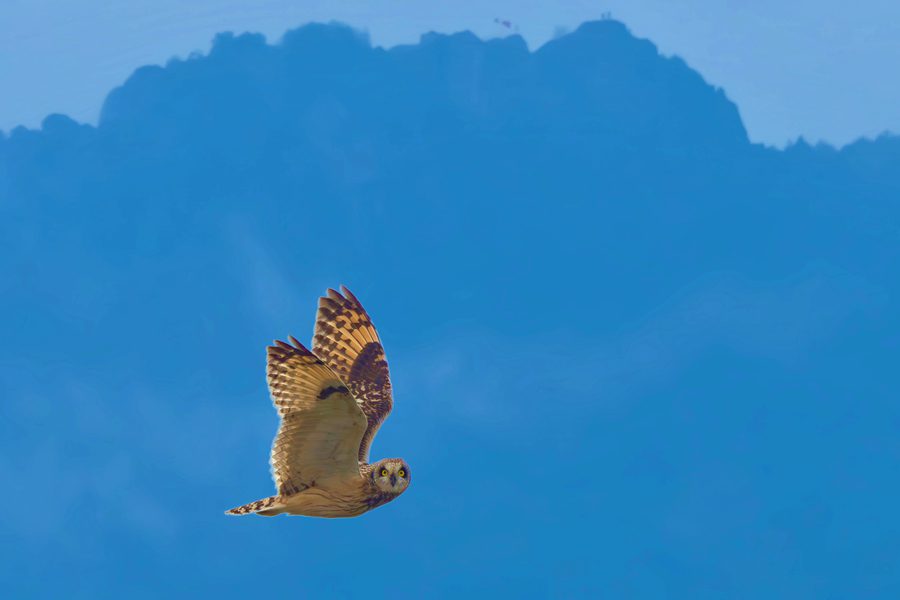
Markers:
346,340
321,424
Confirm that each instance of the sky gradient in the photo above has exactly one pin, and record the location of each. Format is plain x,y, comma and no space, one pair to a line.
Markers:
818,69
634,355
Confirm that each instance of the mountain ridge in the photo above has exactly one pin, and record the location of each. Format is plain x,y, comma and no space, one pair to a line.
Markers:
589,35
338,32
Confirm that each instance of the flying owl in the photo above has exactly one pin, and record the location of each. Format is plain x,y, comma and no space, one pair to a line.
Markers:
331,402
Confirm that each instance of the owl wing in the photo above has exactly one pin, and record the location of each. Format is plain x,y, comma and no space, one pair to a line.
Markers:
345,339
321,424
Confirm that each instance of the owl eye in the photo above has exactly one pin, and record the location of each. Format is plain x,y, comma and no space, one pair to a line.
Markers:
384,472
401,473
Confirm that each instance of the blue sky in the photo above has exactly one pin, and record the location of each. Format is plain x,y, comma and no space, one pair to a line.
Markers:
821,69
633,354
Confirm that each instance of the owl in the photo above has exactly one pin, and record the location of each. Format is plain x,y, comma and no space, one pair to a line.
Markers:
331,402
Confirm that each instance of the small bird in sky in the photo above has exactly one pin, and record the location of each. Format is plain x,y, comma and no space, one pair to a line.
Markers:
331,401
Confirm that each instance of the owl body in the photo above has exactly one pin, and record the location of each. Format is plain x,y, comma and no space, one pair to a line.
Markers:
339,497
331,503
332,401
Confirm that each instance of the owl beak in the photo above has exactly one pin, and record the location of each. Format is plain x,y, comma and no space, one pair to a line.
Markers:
393,480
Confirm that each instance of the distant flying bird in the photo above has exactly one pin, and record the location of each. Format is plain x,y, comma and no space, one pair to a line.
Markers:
331,402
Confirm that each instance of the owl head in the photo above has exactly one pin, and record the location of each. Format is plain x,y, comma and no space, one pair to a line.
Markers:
391,475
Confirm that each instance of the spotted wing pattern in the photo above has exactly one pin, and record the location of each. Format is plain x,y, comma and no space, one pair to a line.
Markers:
321,424
345,339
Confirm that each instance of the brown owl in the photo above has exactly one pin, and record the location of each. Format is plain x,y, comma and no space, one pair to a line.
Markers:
331,402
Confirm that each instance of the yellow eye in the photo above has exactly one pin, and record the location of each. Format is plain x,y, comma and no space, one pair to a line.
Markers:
384,472
401,473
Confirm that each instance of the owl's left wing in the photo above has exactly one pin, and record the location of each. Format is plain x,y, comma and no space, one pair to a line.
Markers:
345,339
321,424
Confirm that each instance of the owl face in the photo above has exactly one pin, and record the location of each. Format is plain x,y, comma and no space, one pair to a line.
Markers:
391,475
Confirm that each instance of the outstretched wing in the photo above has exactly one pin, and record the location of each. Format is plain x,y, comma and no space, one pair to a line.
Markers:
347,342
321,424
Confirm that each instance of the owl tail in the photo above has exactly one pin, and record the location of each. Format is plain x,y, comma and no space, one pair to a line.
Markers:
267,507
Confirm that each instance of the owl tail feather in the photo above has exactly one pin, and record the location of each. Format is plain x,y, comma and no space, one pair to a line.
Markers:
267,507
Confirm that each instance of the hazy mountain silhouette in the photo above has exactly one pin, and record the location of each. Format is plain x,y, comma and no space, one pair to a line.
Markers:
580,262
